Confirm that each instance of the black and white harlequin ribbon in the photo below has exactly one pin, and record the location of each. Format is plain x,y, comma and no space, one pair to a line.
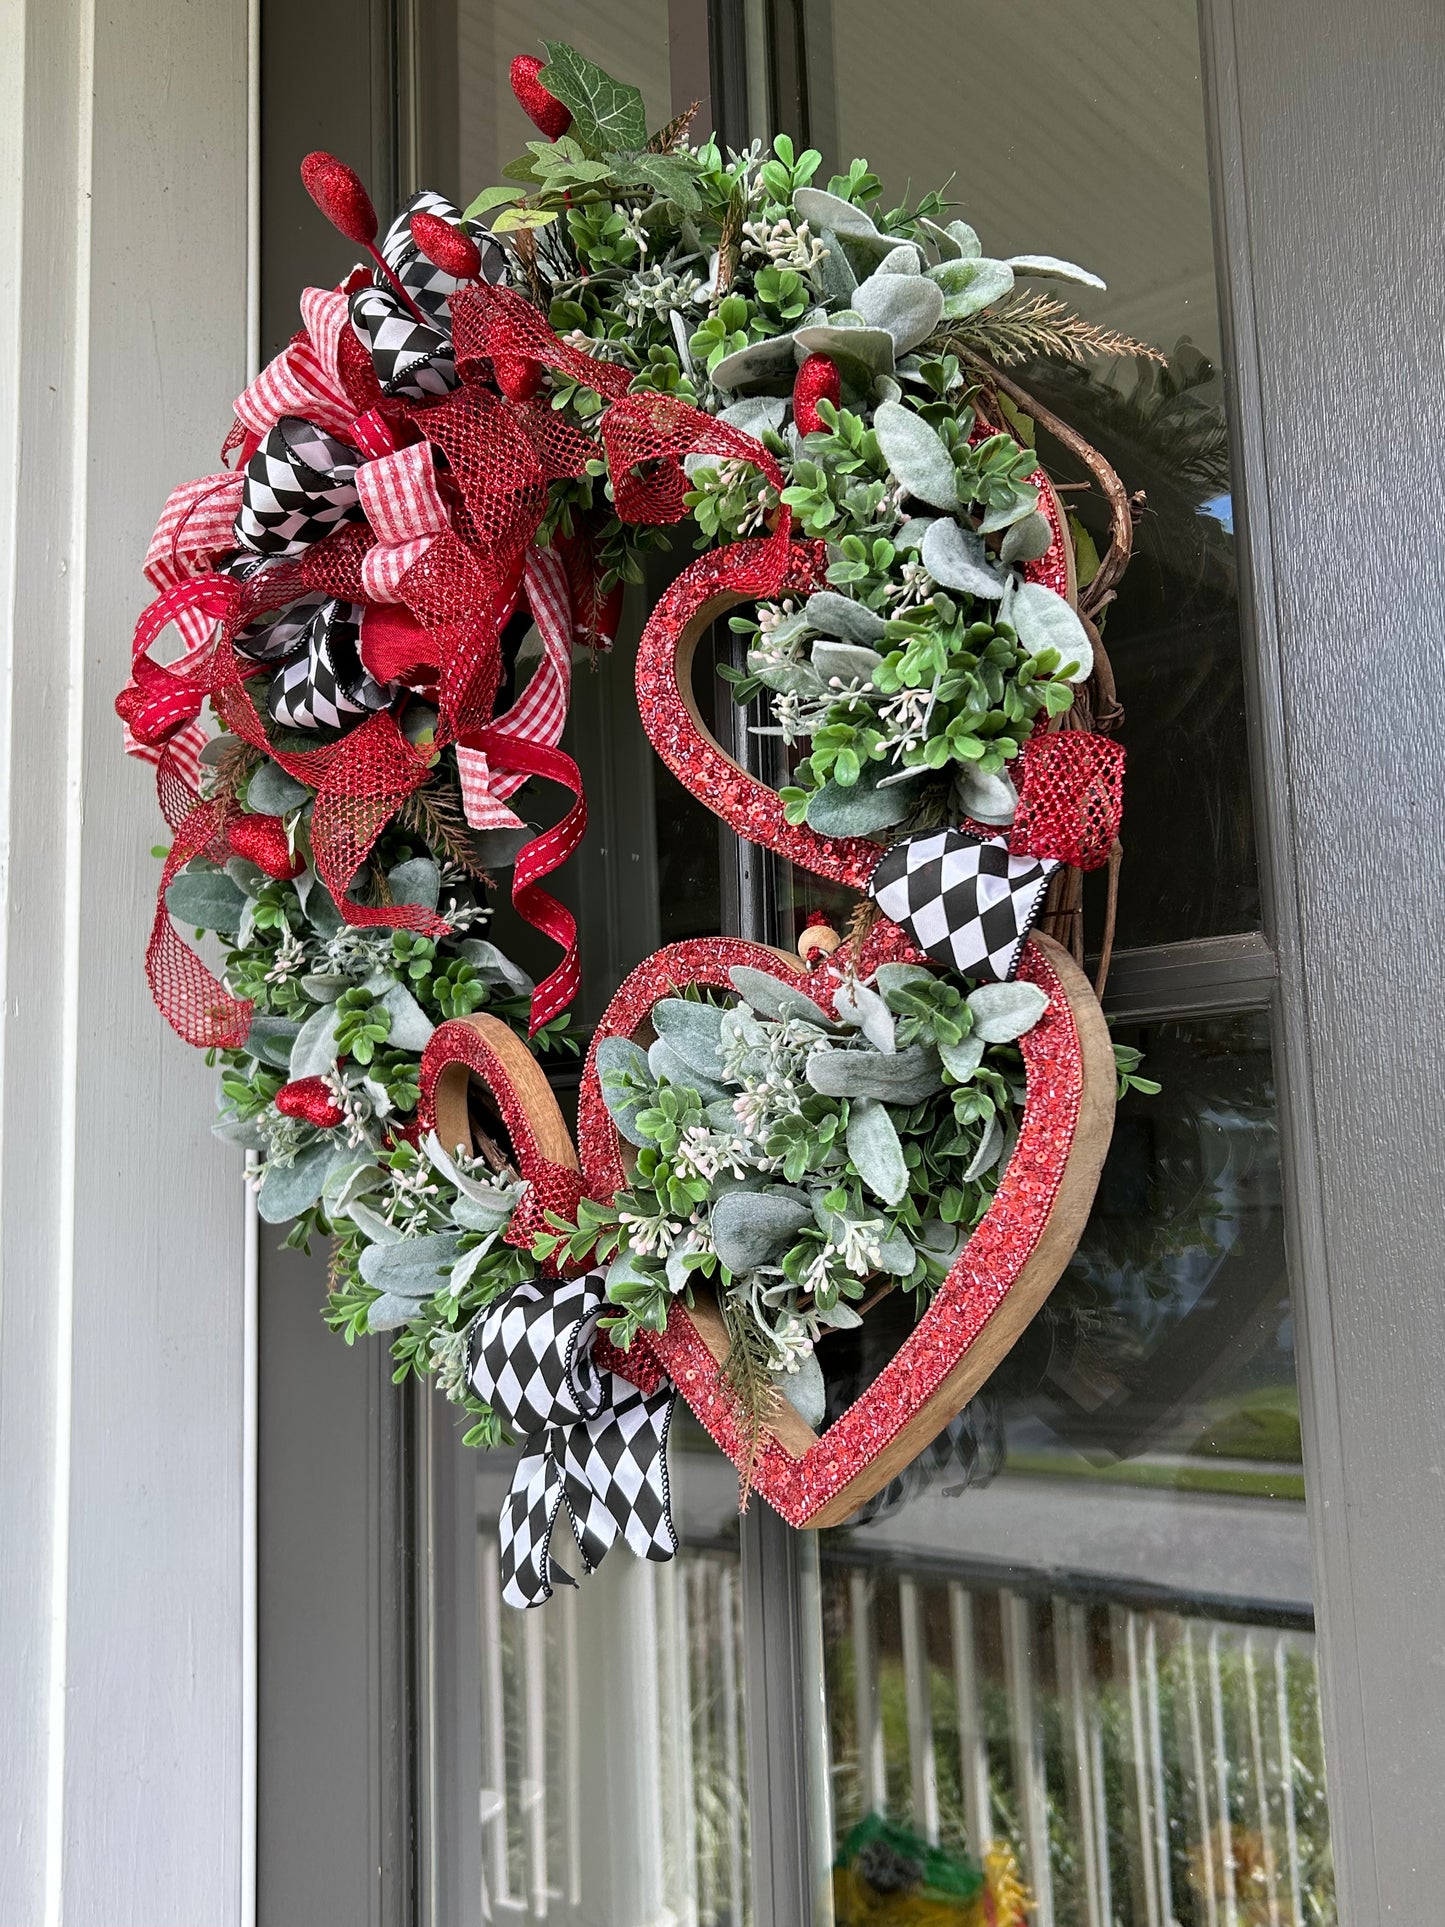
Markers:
411,357
592,1443
323,683
967,901
299,485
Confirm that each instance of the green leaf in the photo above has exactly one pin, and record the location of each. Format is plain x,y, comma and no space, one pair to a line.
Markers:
956,558
608,117
411,1028
915,455
875,1151
1002,1012
987,1154
271,1039
905,1077
418,880
1048,267
761,363
206,900
905,306
751,1228
672,177
805,1390
990,799
1043,620
314,1051
770,996
523,217
489,198
693,1031
839,615
289,1189
962,1059
970,285
1028,539
870,350
272,792
620,1056
858,809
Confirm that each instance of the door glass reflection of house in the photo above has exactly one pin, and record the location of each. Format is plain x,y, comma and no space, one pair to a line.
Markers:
1081,1625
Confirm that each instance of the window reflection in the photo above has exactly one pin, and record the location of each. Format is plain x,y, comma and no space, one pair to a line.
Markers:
588,1760
1082,1625
1080,130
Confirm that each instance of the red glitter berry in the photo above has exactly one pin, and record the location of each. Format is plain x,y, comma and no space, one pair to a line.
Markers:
817,380
338,192
263,840
447,247
308,1099
517,376
544,110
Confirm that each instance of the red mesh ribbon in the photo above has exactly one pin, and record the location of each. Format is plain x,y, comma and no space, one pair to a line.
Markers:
501,458
197,1005
1071,798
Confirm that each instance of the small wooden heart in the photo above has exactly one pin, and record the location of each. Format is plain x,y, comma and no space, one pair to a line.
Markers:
674,723
1007,1268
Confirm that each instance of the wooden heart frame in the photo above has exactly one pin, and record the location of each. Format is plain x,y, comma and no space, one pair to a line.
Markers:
1006,1269
667,700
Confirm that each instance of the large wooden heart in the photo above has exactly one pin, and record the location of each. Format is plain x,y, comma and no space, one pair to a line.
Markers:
476,1071
667,701
1003,1274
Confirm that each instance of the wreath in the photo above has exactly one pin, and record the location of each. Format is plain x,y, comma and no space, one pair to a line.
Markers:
432,499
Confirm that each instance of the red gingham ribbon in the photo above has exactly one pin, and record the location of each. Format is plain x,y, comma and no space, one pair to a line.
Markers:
305,378
401,501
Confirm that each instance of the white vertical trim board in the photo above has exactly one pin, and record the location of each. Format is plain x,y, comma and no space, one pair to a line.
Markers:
124,316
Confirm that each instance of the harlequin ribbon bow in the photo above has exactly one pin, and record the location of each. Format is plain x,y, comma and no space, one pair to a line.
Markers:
967,898
591,1442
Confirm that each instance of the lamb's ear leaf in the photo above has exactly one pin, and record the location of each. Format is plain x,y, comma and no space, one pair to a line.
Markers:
620,1054
289,1189
915,455
752,1228
1003,1012
875,1150
1043,620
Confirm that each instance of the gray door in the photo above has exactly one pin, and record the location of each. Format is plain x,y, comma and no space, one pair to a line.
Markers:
1184,1553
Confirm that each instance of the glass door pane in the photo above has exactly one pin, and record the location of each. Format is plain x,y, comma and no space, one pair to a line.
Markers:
1081,1623
1079,132
585,1763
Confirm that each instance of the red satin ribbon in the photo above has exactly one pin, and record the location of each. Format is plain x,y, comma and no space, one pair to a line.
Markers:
539,858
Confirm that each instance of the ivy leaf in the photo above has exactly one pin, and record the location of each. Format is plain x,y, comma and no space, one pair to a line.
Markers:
523,217
489,198
672,177
607,116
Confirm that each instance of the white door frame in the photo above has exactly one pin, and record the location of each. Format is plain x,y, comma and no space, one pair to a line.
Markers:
127,313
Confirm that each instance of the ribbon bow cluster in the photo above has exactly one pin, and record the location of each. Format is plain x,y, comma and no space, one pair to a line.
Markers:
381,529
969,897
593,1443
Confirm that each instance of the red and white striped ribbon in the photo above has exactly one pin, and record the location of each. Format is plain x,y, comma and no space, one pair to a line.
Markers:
539,713
305,378
401,500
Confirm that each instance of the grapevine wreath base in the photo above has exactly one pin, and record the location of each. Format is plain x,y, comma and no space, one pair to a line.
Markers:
436,494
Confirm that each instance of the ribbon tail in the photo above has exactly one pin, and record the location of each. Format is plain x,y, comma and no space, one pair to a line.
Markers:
529,1516
619,1462
539,858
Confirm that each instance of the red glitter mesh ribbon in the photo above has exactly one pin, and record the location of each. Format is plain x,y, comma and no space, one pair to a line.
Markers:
1071,798
501,459
197,1004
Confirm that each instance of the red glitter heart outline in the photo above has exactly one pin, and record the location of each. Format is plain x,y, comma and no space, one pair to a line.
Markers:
1069,1071
675,727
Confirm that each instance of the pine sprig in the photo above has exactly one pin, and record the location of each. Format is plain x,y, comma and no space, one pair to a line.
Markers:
1025,326
666,138
233,769
435,814
745,1374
